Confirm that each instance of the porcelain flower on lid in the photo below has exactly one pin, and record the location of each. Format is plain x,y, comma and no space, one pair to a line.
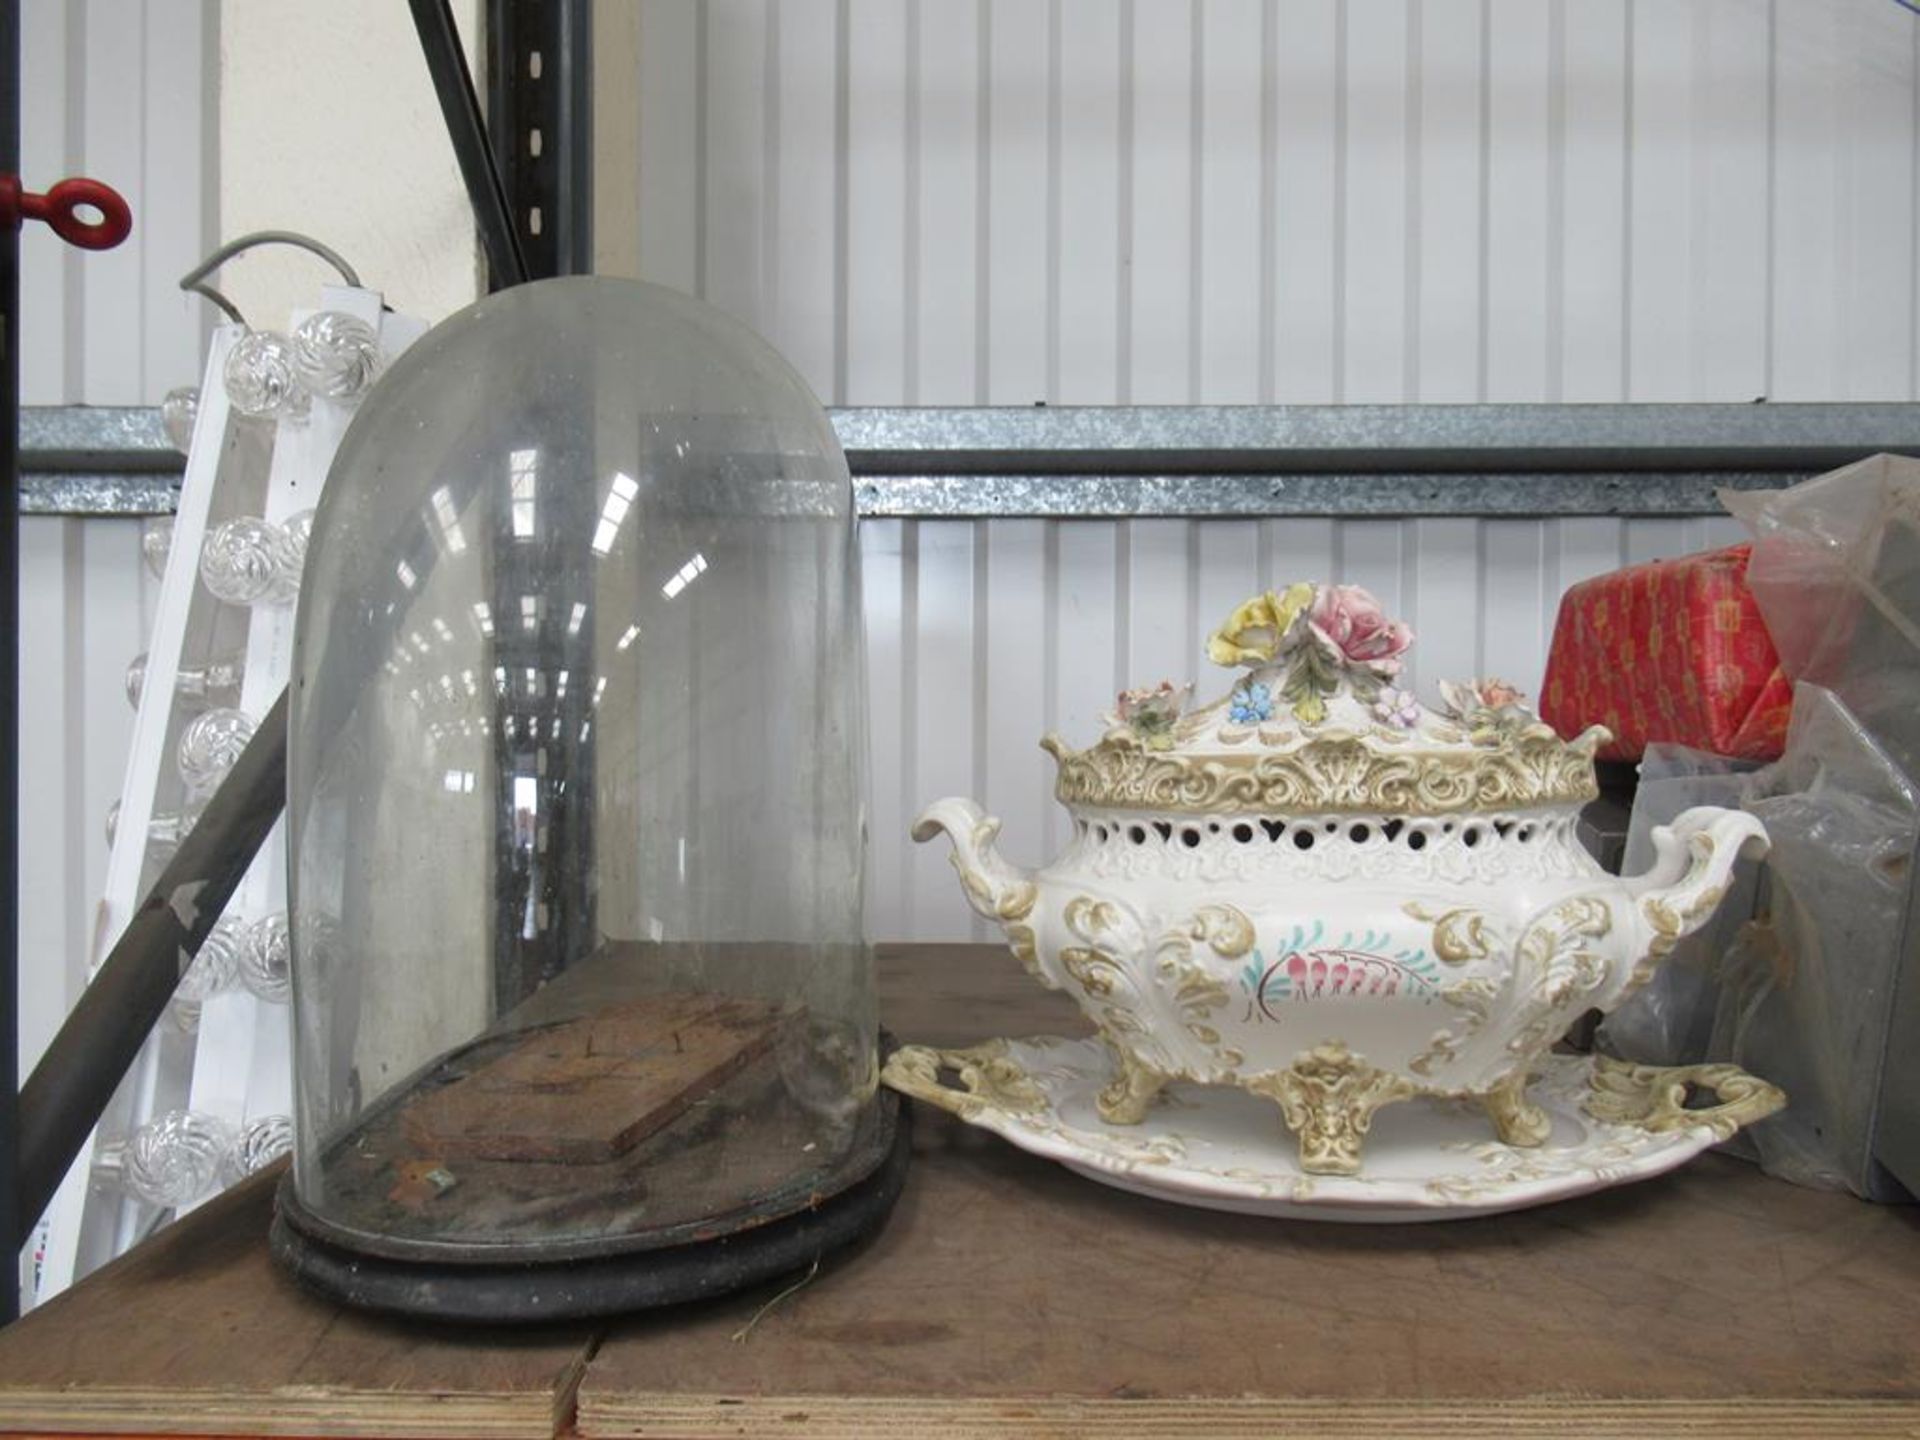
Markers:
1489,708
1318,637
1152,711
1353,629
1262,628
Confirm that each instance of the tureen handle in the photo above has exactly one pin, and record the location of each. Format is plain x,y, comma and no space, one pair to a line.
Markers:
996,888
1693,861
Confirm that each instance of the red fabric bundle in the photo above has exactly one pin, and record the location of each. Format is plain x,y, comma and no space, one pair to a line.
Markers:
1674,650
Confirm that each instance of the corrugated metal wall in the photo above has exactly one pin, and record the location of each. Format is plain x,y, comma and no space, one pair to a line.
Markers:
959,202
955,202
125,93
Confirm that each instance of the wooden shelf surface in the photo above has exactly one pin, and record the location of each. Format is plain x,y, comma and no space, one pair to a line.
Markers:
1009,1297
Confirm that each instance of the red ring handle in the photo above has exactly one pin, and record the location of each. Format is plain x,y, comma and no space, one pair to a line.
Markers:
60,205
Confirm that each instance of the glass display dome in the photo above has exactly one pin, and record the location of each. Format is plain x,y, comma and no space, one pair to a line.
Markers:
576,818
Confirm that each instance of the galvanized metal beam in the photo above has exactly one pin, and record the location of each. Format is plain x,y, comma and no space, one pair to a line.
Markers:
1089,462
1372,439
1416,495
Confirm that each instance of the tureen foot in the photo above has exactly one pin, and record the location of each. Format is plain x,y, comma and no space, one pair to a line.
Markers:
1516,1119
1124,1099
1327,1098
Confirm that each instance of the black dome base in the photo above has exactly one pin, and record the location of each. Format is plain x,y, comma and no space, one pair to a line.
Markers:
608,1285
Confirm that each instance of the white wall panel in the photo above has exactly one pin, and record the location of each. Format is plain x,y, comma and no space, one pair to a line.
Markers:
1227,238
1371,175
957,201
1446,203
1087,238
1015,192
126,94
85,602
874,239
945,172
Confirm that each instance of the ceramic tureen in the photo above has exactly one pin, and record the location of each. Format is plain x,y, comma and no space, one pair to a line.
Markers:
1318,890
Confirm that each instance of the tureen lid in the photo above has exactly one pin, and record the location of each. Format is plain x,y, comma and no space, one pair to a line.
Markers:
1319,722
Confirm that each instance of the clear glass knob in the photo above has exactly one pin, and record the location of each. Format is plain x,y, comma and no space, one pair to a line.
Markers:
217,967
156,539
178,411
241,560
164,832
209,745
214,970
215,683
291,555
259,375
335,355
266,964
319,944
263,1141
176,1158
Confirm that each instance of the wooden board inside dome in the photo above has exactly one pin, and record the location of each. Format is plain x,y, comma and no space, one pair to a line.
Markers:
588,1090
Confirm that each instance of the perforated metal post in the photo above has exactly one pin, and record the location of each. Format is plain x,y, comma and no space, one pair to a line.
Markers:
539,117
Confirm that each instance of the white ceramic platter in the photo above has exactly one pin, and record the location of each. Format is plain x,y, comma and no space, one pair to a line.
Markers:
1225,1149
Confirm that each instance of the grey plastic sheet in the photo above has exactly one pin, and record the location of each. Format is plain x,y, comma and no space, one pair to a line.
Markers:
1794,979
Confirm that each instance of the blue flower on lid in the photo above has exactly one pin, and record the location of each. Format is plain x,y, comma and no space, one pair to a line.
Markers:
1250,704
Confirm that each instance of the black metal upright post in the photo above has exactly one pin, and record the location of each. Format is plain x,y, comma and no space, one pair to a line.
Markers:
9,664
540,116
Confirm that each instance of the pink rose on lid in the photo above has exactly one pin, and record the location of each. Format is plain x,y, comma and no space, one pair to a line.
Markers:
1349,623
1497,694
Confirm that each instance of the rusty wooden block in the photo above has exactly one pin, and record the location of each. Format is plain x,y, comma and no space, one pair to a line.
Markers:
588,1090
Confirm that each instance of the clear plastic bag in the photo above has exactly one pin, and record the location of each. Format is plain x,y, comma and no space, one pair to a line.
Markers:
1671,1020
1836,573
1794,977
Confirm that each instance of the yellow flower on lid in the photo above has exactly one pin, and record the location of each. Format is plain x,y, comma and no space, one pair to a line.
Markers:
1256,632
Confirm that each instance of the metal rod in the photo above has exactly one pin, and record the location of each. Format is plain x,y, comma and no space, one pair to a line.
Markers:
69,1089
219,301
467,128
254,239
194,282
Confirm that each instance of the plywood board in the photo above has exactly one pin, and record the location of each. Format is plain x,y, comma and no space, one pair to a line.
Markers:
197,1332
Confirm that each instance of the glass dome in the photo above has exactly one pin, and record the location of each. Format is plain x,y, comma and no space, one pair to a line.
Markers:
576,774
